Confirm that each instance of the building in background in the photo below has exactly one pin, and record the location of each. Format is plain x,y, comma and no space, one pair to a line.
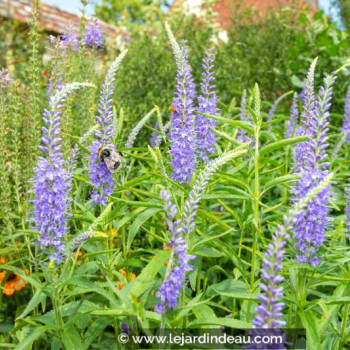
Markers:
52,20
226,9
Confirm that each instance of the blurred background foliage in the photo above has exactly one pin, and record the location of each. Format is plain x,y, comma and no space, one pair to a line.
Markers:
274,50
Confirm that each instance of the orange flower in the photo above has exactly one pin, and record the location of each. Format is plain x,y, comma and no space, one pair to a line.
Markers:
2,260
120,286
13,283
131,276
78,255
122,271
167,248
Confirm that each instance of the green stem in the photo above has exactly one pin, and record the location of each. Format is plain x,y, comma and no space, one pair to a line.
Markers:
55,302
256,221
343,328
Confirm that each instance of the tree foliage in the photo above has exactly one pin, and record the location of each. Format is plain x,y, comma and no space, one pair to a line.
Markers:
343,7
128,10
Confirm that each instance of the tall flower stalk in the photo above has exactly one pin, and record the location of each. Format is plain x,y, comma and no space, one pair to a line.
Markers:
243,116
347,198
169,291
5,186
346,121
274,107
51,182
180,230
70,40
293,118
207,103
135,131
269,312
32,127
257,124
101,178
310,225
308,100
156,139
93,34
183,144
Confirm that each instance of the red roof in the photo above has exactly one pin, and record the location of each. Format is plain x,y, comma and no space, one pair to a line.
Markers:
51,18
226,9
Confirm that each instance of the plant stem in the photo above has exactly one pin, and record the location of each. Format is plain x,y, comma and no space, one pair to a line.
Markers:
55,302
256,221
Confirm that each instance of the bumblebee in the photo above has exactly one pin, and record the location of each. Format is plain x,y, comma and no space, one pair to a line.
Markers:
172,109
110,157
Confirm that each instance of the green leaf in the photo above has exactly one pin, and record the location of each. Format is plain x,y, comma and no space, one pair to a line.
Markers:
232,289
226,136
337,300
153,316
312,335
33,334
214,218
87,287
142,218
282,143
280,180
147,276
237,123
208,252
21,273
134,182
330,312
122,310
220,321
37,298
72,339
203,312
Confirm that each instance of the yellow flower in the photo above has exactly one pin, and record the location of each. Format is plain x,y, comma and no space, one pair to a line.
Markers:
113,232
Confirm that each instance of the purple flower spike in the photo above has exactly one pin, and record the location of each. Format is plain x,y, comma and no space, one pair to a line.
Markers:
243,116
347,197
169,291
310,225
5,78
308,100
273,108
269,312
207,104
101,178
93,34
52,181
182,137
293,119
346,121
70,40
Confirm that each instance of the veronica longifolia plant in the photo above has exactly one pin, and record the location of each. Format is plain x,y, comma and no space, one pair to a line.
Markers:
293,118
183,144
346,121
93,34
101,178
207,103
269,312
310,225
169,291
52,181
